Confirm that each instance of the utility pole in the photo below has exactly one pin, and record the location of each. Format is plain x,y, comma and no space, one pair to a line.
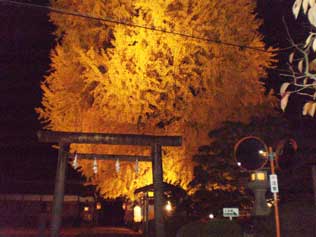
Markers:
275,194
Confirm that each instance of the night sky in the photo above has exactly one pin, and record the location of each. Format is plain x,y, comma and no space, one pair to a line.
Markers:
26,40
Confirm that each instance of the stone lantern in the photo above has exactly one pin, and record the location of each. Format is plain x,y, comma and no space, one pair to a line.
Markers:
259,185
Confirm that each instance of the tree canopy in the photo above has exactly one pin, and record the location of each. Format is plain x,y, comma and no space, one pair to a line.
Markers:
218,180
126,78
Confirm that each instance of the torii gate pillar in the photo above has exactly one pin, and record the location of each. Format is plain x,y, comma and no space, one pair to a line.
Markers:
58,201
158,189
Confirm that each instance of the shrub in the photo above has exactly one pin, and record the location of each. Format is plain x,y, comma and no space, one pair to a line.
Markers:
213,228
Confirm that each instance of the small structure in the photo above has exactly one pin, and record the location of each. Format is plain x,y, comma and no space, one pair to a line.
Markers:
173,195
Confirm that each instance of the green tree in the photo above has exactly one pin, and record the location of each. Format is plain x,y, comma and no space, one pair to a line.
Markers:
122,79
218,181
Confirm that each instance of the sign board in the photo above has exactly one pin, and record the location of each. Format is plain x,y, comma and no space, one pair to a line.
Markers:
230,212
274,183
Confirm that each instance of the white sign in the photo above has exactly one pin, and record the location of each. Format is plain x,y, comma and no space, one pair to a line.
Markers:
230,212
274,183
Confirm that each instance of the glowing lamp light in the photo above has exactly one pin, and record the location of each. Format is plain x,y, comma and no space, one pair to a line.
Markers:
98,206
262,153
258,176
253,176
239,163
150,194
211,216
86,208
269,204
168,206
261,176
138,214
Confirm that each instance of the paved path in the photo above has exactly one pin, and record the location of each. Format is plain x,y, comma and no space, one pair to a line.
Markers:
74,232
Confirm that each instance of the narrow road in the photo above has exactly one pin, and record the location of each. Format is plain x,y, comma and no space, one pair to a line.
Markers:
74,232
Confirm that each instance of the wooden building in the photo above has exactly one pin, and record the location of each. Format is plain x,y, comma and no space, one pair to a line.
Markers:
29,203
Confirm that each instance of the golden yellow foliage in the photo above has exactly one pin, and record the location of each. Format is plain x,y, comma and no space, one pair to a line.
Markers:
114,78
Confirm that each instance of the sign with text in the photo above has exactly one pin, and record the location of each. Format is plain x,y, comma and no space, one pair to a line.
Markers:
230,212
274,183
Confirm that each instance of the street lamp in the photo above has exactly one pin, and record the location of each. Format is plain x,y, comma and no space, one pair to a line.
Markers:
211,216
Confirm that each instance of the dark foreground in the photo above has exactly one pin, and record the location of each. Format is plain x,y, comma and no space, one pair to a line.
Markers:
72,232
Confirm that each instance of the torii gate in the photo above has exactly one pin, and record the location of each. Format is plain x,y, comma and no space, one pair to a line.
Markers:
64,139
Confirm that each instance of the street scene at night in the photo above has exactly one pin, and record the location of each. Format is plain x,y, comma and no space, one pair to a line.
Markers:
161,118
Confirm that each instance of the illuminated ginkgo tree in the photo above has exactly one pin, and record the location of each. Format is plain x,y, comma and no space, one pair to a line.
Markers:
119,78
302,62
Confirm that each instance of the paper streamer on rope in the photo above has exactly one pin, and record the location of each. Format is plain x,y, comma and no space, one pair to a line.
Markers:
95,166
117,166
75,161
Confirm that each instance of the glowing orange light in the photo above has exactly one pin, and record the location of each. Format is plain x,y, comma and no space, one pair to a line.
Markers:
138,214
150,194
168,206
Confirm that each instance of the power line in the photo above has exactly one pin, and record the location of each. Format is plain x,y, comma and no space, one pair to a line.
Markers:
114,21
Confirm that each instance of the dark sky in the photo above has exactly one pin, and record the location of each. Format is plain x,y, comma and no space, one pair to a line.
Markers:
277,15
26,39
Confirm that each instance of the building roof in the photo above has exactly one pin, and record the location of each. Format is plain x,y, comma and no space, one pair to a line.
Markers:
166,187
